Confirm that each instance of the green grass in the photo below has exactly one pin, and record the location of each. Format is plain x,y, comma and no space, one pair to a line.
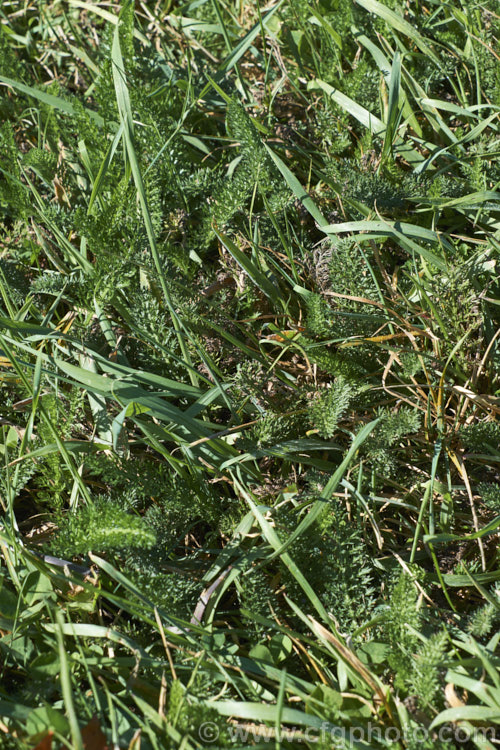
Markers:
250,375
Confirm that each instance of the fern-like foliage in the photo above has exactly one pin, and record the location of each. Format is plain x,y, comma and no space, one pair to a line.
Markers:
176,591
402,614
334,557
476,437
270,429
490,495
53,476
362,182
189,716
394,427
426,680
482,620
319,316
256,167
102,526
43,162
13,194
256,594
330,406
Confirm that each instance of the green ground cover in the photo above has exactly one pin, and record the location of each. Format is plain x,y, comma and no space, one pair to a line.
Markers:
249,374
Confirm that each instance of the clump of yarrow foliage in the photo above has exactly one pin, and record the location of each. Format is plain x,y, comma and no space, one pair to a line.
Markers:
249,373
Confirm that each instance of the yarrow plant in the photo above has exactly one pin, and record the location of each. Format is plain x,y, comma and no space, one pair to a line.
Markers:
249,374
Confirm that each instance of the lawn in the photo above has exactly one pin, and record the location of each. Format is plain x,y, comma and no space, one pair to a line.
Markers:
249,374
